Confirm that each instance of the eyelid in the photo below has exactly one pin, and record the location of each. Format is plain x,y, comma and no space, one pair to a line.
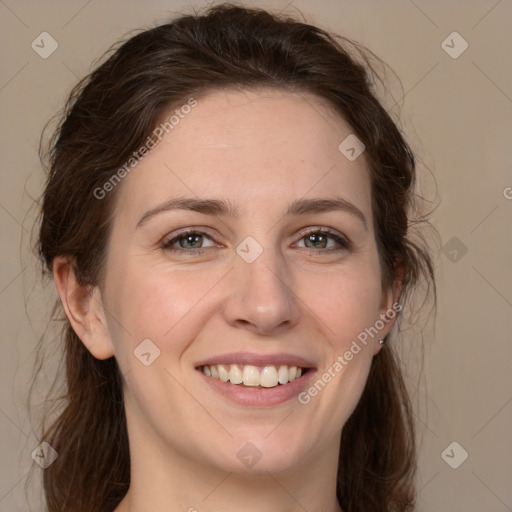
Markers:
340,238
316,229
168,241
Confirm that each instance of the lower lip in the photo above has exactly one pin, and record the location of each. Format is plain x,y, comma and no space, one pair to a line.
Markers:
256,396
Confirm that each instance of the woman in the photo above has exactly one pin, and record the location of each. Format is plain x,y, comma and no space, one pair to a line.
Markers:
226,220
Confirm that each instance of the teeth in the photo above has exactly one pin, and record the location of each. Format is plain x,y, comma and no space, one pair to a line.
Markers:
268,377
249,375
235,374
223,373
283,375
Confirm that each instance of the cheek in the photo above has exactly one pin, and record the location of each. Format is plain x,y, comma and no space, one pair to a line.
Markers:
346,306
345,310
162,302
156,302
346,301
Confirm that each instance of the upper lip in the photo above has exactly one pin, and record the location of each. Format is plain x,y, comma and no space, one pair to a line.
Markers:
257,359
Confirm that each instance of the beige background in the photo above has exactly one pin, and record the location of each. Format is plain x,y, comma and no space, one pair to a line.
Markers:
458,116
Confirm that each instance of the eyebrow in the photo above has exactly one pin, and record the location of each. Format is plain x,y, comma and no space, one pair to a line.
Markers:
218,207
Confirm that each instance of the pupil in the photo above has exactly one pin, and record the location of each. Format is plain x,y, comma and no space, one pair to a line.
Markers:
314,238
190,239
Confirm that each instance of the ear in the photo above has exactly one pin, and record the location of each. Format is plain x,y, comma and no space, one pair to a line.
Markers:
84,309
389,309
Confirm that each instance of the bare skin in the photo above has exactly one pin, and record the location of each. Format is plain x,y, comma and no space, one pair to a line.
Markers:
196,298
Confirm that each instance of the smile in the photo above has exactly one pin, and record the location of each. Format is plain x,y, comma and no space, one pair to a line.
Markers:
253,376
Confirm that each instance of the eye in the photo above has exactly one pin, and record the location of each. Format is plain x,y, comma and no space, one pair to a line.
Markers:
324,239
189,242
192,241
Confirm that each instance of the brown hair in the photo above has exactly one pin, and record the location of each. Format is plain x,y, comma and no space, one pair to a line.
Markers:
108,116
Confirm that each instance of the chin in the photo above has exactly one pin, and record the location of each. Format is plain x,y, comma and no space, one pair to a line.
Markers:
259,456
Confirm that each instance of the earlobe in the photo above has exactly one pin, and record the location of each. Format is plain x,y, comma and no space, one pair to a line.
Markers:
390,308
84,309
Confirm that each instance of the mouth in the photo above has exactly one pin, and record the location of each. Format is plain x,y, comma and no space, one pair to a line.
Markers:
248,375
256,380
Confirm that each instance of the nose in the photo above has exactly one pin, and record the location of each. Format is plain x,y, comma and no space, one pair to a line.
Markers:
262,299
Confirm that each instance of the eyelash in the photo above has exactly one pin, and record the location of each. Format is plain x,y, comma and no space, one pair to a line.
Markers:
343,242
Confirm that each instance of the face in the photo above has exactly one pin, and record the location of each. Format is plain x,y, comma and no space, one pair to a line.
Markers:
267,264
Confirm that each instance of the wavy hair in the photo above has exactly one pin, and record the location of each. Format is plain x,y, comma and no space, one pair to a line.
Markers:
110,114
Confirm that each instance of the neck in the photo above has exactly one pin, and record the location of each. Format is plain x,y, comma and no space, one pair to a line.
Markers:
175,482
231,493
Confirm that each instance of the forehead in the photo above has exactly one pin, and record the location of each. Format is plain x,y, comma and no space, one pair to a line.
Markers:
267,146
